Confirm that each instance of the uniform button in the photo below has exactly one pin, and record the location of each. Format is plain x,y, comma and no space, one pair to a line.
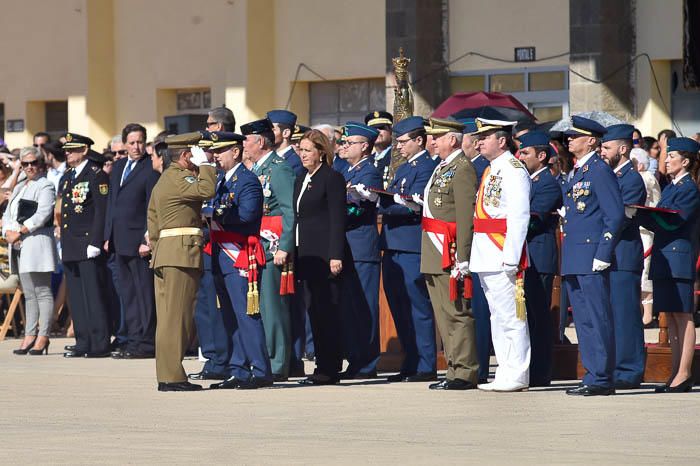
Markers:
567,207
65,226
588,240
65,215
673,248
563,234
86,234
65,205
568,194
565,220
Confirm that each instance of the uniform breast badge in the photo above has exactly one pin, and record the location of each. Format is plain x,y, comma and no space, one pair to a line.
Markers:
190,179
580,206
492,191
78,209
438,202
79,193
104,189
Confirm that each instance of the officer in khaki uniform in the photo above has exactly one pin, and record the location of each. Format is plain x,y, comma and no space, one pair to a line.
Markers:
445,250
174,227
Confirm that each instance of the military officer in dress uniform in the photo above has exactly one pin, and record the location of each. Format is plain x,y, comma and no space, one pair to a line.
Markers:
480,305
404,285
381,155
360,316
446,242
84,189
626,269
593,219
277,180
283,124
499,256
174,228
545,198
237,256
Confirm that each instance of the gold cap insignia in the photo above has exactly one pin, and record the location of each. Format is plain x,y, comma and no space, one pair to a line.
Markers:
376,114
69,137
214,137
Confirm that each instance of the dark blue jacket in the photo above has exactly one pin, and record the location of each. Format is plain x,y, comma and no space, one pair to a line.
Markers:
127,205
594,217
361,220
238,207
545,198
382,163
675,248
480,163
401,229
294,161
339,165
629,253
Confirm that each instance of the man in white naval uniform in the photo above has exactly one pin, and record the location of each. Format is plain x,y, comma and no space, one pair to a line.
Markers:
501,218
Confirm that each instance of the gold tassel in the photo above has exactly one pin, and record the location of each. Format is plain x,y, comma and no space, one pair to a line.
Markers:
253,300
249,299
520,311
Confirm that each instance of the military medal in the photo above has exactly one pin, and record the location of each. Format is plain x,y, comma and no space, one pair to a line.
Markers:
438,202
580,206
267,192
403,182
78,209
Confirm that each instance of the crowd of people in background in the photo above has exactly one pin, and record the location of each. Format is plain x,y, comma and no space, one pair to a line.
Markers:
261,248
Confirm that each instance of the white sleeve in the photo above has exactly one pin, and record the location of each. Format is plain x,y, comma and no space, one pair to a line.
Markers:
517,199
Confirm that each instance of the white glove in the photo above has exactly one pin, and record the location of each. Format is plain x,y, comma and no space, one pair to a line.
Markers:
462,268
561,211
510,269
198,156
417,199
365,193
411,205
92,252
599,266
630,212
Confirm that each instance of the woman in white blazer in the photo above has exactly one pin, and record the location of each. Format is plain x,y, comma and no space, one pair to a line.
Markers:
28,227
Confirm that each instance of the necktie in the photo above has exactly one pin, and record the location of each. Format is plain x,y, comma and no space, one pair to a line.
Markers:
127,170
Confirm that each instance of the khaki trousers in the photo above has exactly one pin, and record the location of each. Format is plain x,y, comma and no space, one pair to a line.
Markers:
455,323
176,290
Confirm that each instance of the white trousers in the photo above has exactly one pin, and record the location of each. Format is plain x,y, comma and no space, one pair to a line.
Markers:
511,339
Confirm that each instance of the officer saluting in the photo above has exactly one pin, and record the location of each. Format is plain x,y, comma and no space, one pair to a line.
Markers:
594,215
174,227
84,190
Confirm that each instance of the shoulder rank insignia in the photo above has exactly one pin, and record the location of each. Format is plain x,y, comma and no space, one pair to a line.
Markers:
607,235
190,179
585,168
516,163
104,189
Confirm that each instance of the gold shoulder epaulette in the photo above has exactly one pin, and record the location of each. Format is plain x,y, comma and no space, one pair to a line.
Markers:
516,163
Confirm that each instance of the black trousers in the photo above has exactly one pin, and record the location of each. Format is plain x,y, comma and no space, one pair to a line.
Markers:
324,314
86,283
138,298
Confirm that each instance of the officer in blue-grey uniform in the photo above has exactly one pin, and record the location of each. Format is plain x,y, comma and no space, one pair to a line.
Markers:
674,255
283,124
404,284
238,210
545,198
626,270
480,305
360,315
381,156
593,219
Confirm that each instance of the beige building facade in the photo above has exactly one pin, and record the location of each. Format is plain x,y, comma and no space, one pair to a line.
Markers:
92,66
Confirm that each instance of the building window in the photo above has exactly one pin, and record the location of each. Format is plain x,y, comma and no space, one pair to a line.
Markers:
193,100
56,118
543,90
335,102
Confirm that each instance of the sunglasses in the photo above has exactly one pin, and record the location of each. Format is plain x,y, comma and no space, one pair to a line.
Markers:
121,152
33,163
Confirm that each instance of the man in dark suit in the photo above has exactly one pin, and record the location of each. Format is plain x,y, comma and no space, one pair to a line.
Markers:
84,189
545,198
131,183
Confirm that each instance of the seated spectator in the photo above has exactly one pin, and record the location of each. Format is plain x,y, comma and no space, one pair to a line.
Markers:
651,145
28,228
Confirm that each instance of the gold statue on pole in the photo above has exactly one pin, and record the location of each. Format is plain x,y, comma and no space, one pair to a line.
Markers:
403,105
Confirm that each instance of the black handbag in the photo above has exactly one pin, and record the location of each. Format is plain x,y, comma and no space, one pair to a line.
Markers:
25,209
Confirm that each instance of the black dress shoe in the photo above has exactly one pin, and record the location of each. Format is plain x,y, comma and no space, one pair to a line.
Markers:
98,354
136,355
178,387
347,375
279,378
228,384
682,387
625,385
400,377
74,354
438,385
117,354
254,383
207,375
591,390
421,377
319,380
69,347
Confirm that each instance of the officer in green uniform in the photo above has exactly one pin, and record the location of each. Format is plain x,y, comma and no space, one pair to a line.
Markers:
277,234
448,213
174,227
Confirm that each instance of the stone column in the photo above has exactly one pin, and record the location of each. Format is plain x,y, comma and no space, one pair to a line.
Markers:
602,37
